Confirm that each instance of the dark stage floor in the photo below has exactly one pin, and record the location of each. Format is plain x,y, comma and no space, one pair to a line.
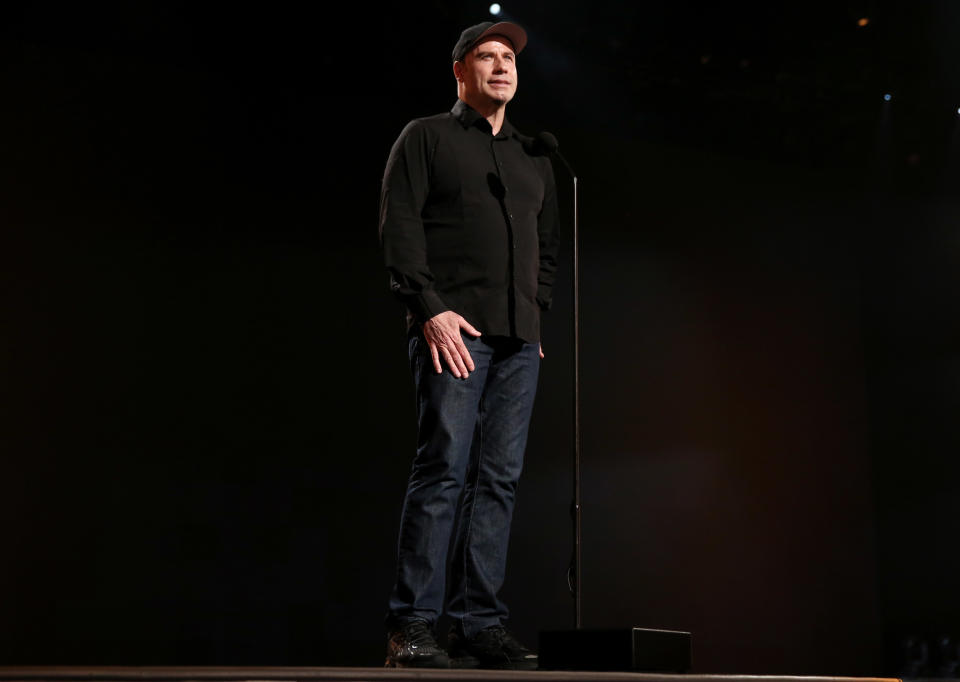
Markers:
258,674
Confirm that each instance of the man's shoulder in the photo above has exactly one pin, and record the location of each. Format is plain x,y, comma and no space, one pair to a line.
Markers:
437,119
435,123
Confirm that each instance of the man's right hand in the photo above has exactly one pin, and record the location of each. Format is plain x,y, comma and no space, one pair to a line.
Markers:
442,333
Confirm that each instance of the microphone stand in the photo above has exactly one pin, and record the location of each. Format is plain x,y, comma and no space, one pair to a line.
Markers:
574,571
575,510
627,649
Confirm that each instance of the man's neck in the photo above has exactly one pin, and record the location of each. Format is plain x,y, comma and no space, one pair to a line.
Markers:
493,112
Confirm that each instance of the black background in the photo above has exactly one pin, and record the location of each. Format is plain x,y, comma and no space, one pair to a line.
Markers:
207,416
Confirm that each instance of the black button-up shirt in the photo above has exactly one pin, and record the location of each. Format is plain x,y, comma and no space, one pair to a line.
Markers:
468,223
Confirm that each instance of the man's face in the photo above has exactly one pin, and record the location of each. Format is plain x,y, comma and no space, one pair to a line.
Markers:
488,73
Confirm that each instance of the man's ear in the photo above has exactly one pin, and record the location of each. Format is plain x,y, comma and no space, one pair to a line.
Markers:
458,70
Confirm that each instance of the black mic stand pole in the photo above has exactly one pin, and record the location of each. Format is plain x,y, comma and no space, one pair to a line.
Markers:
575,583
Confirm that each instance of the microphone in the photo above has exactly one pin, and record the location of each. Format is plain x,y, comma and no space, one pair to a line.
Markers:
545,144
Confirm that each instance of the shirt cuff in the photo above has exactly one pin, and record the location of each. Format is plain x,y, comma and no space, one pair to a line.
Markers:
426,305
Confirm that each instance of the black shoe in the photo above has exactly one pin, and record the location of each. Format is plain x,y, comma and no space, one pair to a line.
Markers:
414,646
493,647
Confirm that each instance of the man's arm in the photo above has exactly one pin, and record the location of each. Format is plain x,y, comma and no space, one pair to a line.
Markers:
548,233
406,185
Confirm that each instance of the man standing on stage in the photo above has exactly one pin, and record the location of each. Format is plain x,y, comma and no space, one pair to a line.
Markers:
468,223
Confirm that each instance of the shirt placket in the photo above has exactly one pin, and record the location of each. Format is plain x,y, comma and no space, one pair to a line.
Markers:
497,149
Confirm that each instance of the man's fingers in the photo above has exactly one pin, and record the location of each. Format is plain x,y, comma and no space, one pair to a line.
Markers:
451,362
436,357
458,362
457,355
465,355
469,328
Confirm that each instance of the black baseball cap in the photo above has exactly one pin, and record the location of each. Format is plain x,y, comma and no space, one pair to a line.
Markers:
475,34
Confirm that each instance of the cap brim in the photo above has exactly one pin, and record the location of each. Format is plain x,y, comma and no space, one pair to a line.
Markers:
510,31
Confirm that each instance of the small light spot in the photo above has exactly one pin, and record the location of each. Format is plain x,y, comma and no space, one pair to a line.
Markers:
863,21
495,9
887,97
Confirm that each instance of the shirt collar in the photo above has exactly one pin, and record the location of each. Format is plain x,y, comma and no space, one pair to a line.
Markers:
468,116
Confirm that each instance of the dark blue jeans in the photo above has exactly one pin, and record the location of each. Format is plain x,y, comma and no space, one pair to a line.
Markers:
471,438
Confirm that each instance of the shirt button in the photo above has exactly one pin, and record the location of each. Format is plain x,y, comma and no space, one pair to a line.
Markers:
511,216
